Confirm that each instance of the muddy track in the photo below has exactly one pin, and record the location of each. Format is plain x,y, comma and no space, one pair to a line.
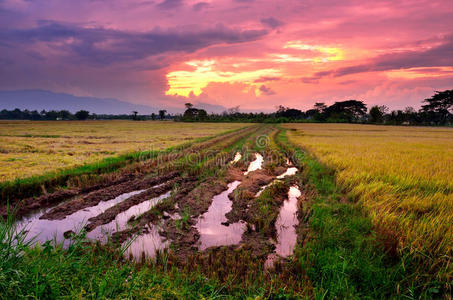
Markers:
139,224
194,182
193,198
251,184
113,184
172,160
110,214
32,204
245,193
93,198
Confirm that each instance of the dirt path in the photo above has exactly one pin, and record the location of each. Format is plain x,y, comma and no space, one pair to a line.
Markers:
194,186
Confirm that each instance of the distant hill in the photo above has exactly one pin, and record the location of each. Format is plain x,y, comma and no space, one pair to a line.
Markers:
47,100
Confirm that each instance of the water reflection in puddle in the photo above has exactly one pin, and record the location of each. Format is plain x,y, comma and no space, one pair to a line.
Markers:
285,226
120,222
289,172
256,164
209,225
44,230
237,158
146,244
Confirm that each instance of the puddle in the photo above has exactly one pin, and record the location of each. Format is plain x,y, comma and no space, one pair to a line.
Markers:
120,222
44,230
146,244
285,226
289,172
237,158
256,164
209,225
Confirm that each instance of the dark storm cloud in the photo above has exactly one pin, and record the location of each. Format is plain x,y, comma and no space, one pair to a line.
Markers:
351,70
170,4
272,22
439,56
106,46
200,6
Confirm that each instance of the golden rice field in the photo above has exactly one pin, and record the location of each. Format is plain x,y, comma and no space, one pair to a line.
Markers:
32,148
403,176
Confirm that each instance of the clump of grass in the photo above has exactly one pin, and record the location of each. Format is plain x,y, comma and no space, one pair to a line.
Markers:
265,208
184,221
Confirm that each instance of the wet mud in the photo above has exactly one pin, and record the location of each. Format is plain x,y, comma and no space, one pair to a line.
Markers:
42,230
213,228
286,227
110,214
93,198
101,229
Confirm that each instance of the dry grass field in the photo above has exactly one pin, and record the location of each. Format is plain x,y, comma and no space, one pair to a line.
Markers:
32,148
403,176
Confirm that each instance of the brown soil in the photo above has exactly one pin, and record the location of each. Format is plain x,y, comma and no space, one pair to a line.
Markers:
197,202
110,214
104,194
245,193
30,204
152,216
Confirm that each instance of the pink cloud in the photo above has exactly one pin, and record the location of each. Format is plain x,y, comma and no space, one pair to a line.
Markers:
125,49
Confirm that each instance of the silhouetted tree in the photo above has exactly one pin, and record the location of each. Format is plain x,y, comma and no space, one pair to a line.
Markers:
194,114
346,111
64,115
320,107
82,114
377,113
286,112
233,110
162,113
438,108
134,115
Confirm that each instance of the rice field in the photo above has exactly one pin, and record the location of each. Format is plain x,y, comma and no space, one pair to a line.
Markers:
32,148
265,211
402,176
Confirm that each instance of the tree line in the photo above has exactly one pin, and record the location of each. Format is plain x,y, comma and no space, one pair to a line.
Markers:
52,115
436,110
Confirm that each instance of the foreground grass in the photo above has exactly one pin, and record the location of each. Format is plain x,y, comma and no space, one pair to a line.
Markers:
344,254
29,148
88,271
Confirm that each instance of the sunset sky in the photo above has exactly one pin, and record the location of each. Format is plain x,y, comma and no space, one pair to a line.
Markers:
252,53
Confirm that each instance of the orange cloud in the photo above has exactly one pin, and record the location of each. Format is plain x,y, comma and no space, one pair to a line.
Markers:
183,83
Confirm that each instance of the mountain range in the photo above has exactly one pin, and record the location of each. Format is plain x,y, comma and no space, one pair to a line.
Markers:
47,100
